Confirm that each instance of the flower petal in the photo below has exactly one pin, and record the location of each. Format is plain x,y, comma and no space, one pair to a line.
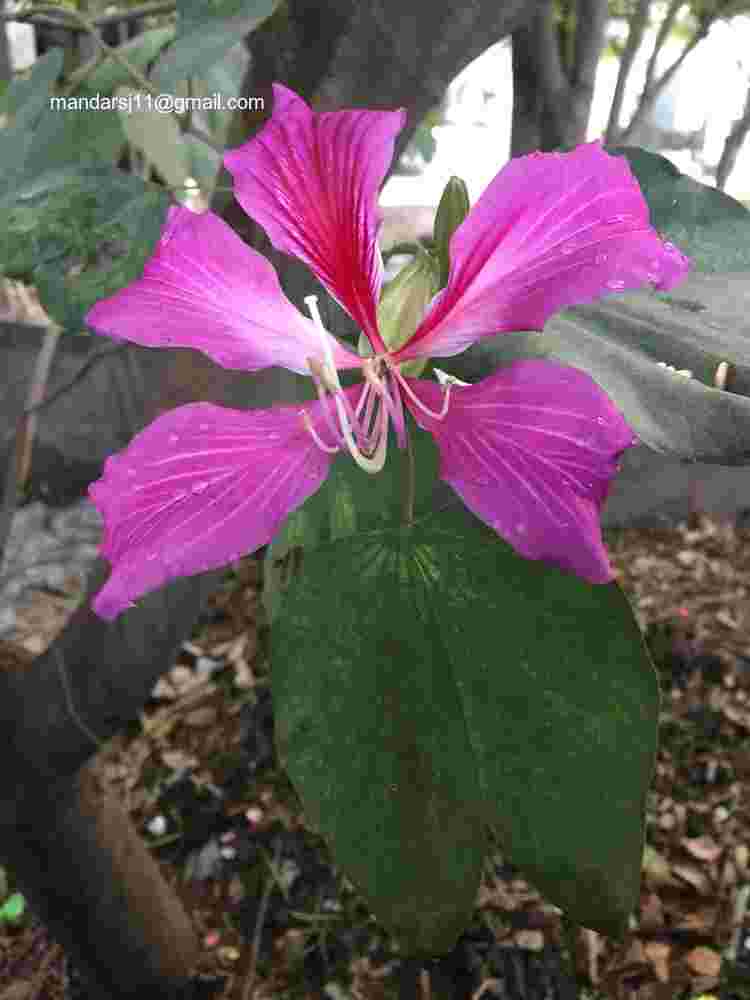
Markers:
312,181
200,486
207,289
531,450
552,230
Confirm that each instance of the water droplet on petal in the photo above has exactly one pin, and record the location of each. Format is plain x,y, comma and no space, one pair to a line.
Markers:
151,556
616,284
200,487
601,421
131,473
173,438
567,248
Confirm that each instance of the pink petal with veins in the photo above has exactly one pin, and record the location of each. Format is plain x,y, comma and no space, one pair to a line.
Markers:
312,181
552,230
532,450
205,288
199,487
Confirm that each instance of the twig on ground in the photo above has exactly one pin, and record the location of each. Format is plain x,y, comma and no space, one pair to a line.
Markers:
247,990
19,462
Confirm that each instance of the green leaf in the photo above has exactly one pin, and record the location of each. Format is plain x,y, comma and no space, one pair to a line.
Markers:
67,141
453,208
369,726
402,305
300,530
13,908
352,500
206,32
139,52
25,103
479,684
619,343
157,135
561,702
26,98
708,225
84,241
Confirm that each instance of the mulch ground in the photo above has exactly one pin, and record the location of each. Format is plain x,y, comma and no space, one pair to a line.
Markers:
201,781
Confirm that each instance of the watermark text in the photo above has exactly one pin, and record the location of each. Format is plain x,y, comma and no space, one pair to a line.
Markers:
163,103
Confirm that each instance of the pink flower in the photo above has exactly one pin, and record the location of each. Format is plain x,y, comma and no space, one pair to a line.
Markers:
531,449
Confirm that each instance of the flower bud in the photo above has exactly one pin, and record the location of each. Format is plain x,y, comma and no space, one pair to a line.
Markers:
452,210
404,302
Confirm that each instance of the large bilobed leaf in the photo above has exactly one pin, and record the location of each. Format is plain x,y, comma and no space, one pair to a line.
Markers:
708,225
684,417
425,677
370,727
561,702
205,33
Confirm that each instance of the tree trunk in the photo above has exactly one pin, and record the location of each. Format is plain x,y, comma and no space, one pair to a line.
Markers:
526,133
733,144
552,95
72,847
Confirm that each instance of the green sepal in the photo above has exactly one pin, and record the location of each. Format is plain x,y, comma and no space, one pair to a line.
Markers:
453,208
403,304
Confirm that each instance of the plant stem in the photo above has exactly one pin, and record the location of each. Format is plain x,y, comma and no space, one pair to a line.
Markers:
409,483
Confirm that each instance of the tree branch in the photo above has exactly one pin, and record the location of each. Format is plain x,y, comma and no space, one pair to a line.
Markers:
653,87
732,144
637,25
58,19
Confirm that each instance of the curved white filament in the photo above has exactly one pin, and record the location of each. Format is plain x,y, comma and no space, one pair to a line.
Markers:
425,409
327,375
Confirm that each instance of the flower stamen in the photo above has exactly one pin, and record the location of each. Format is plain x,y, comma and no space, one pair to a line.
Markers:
326,376
447,386
327,370
314,435
376,460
